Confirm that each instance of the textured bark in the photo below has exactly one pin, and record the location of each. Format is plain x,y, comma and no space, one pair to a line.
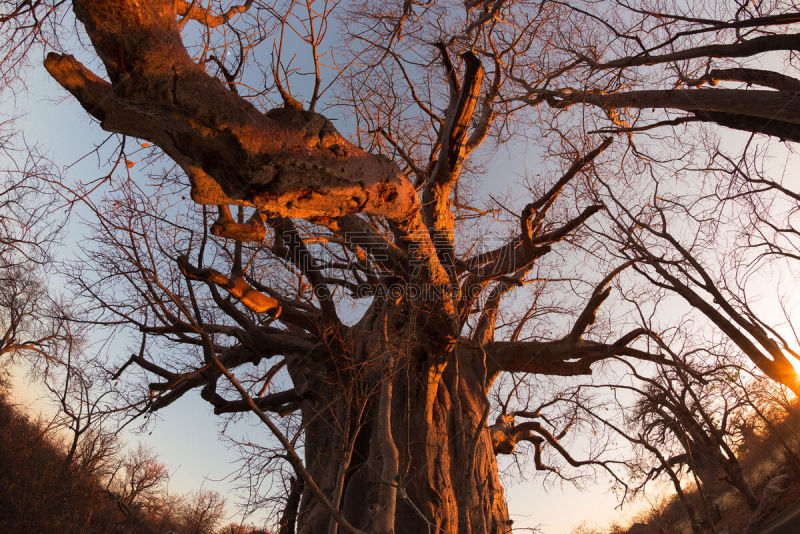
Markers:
447,479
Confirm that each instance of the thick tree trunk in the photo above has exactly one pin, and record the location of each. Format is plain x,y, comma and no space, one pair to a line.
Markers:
447,471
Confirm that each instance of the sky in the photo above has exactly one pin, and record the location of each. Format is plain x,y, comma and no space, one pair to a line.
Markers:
187,434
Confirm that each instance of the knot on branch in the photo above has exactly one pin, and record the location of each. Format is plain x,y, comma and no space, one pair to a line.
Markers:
251,231
504,438
237,286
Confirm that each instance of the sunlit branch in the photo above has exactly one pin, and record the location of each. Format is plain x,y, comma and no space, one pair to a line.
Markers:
205,16
236,286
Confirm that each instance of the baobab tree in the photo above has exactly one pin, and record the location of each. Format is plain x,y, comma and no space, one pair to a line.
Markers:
394,407
384,415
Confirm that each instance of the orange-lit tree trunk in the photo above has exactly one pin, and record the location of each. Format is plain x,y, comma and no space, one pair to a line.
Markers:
447,478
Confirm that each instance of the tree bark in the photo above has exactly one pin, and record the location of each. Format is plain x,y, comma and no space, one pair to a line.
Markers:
447,478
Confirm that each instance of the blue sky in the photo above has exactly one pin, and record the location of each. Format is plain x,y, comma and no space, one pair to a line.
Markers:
187,434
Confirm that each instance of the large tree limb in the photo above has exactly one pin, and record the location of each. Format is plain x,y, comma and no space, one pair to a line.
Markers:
764,78
281,402
561,357
437,210
177,385
289,515
116,115
287,161
770,112
289,174
751,47
289,246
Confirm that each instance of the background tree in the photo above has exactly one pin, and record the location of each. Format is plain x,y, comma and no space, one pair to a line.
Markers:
772,417
701,421
653,237
33,324
141,477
